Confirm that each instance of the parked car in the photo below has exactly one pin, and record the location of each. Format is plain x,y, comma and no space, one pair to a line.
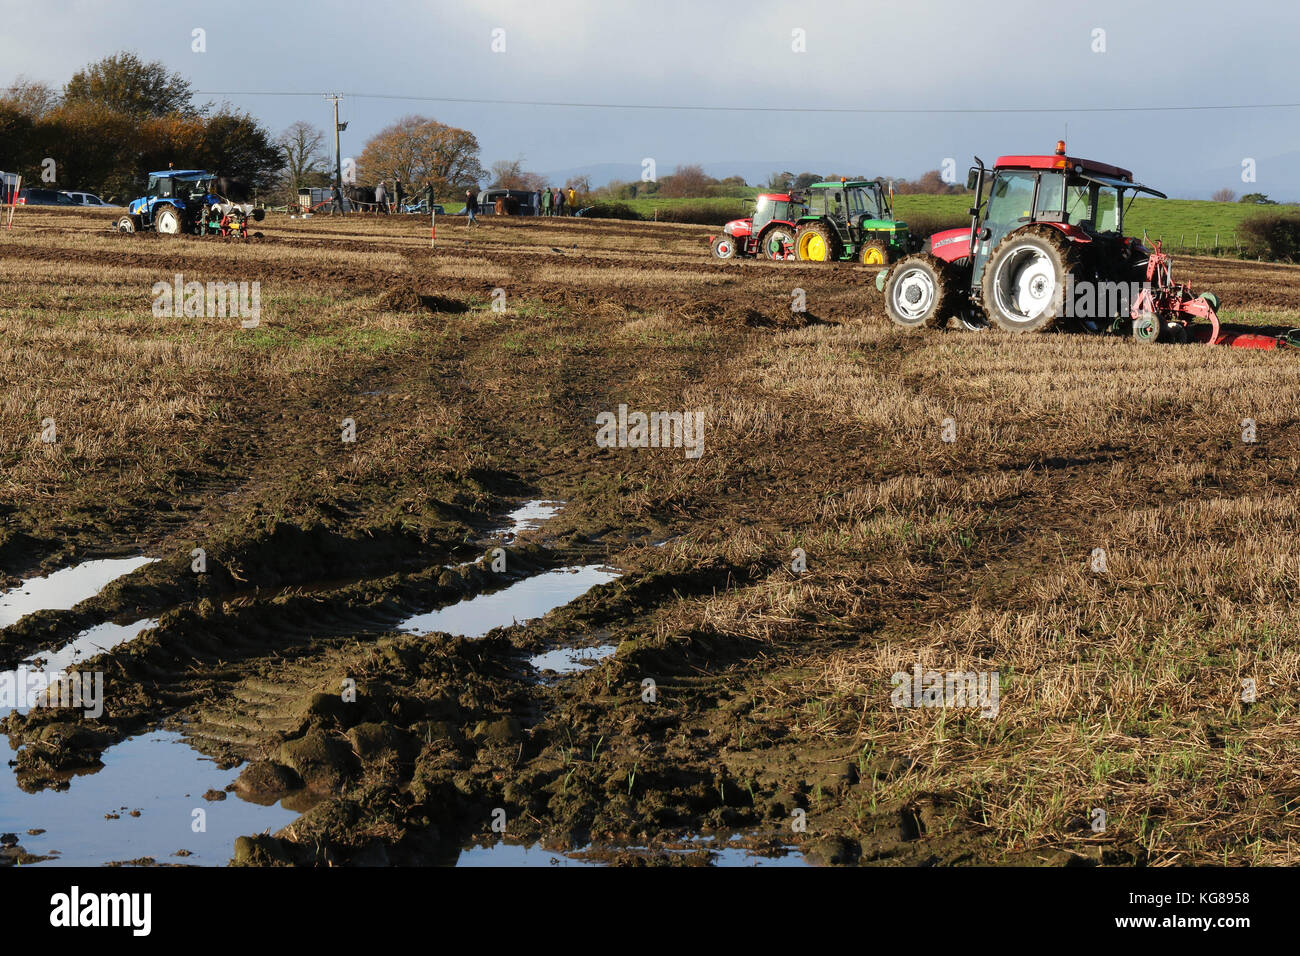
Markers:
86,199
43,197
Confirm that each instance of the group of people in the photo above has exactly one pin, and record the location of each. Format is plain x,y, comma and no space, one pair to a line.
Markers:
554,201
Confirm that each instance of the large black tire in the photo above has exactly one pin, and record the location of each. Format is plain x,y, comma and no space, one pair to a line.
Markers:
776,242
808,235
167,220
919,292
1025,278
126,224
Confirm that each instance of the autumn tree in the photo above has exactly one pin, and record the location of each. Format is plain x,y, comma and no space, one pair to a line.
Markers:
686,181
123,83
418,150
29,97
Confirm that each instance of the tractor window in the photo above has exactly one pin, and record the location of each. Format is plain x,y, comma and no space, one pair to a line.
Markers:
1078,203
1048,206
866,202
1108,209
1011,198
780,210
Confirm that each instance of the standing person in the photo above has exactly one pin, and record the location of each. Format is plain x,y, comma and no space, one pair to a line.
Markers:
381,197
338,201
547,200
573,201
398,192
428,194
471,205
559,202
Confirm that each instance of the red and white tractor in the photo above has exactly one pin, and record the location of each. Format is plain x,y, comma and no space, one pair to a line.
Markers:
769,233
1044,246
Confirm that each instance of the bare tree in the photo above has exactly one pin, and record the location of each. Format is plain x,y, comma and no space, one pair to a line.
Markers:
1224,195
302,144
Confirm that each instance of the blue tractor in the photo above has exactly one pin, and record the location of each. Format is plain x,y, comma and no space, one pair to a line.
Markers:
187,200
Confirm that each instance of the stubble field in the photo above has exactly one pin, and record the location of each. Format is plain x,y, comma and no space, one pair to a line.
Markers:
949,492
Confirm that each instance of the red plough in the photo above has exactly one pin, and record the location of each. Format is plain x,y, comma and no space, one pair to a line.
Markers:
1165,310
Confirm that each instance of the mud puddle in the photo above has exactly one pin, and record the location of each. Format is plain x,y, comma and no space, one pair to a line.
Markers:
571,660
140,804
23,687
530,516
64,589
522,601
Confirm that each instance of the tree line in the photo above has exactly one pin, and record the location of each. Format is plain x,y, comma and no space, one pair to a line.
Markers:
120,118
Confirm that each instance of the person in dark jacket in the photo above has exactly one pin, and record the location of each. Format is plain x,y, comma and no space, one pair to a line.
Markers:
559,202
338,203
381,197
399,194
471,205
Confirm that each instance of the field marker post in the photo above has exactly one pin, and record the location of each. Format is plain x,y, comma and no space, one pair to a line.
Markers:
13,198
433,225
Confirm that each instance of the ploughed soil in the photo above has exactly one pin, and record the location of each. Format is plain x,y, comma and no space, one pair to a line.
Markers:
826,538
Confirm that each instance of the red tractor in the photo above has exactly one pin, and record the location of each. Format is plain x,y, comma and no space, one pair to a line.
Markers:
768,233
1045,245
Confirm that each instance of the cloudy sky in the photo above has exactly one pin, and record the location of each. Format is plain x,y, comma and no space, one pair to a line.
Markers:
919,56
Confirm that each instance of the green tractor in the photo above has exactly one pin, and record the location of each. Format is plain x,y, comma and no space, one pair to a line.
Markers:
851,220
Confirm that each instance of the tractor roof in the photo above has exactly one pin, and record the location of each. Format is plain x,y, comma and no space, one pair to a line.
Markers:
183,173
775,197
1064,162
835,183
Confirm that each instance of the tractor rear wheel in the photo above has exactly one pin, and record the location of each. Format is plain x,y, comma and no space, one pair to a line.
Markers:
874,253
724,247
918,292
1025,278
777,243
817,242
168,221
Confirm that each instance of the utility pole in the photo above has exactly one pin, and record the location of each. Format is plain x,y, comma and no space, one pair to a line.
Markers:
338,128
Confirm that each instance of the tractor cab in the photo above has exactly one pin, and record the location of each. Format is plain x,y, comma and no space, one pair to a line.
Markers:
774,206
851,219
1081,198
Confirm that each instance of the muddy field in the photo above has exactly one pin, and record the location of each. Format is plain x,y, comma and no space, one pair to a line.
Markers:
1080,515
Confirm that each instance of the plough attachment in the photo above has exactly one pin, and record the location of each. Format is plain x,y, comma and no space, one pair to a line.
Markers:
1165,310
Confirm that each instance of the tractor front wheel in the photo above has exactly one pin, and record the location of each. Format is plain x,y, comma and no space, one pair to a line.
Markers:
126,224
168,221
817,242
874,253
1024,280
918,291
724,247
777,243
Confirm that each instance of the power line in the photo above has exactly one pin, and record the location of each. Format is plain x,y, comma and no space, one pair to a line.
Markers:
481,101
